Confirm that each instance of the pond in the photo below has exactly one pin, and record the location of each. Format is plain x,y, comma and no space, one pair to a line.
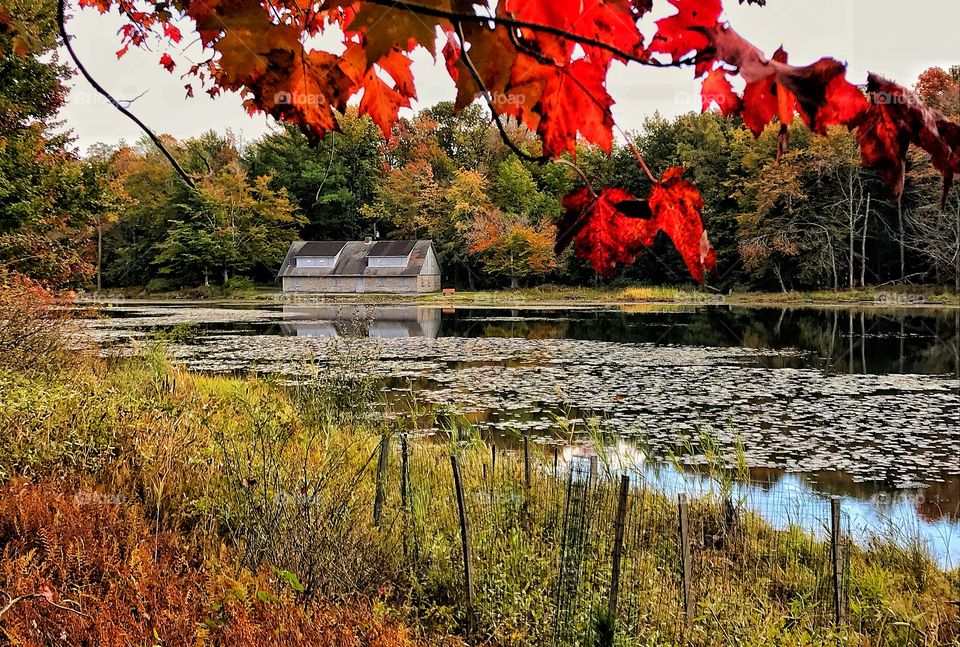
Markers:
864,403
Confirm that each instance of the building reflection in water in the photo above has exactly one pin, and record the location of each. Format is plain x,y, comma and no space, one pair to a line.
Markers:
360,321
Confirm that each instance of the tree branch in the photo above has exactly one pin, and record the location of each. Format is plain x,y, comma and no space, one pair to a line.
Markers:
14,600
486,96
458,17
62,22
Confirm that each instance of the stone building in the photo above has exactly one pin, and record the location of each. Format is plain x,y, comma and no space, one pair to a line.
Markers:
364,266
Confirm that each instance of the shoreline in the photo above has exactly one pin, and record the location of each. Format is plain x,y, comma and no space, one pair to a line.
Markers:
870,298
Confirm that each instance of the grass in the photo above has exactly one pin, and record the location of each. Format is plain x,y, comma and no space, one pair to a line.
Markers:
546,295
267,491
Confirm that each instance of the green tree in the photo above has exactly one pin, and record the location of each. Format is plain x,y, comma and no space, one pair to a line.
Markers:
463,136
330,183
805,215
47,194
408,200
150,196
234,225
465,201
509,246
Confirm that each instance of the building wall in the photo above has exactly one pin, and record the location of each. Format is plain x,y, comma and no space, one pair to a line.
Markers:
430,265
428,283
354,285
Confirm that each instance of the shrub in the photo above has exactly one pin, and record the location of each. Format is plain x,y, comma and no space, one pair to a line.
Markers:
239,284
299,497
162,285
32,320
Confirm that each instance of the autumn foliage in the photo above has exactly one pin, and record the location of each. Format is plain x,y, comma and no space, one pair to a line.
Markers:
544,64
32,320
83,568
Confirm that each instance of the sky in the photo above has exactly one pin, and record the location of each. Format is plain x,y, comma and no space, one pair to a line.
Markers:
895,39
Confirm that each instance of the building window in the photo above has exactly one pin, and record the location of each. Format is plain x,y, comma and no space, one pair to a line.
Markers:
386,261
315,261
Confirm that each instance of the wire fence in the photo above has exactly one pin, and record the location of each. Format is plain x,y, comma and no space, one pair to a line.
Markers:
528,546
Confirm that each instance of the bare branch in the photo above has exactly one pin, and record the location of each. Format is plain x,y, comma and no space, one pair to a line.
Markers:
61,20
14,600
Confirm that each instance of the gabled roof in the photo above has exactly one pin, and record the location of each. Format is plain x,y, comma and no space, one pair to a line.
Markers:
352,259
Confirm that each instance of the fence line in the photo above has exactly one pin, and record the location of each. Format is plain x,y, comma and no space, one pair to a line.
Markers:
571,553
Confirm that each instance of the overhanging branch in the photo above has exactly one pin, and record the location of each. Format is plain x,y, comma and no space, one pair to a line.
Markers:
459,17
62,22
485,93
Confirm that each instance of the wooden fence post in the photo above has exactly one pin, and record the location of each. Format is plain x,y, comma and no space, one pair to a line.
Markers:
527,482
618,551
406,501
404,471
685,558
465,540
382,465
836,557
527,471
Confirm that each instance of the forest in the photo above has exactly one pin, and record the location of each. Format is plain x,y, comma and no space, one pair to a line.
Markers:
120,217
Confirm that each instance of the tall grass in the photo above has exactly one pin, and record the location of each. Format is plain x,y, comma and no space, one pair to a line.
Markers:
256,475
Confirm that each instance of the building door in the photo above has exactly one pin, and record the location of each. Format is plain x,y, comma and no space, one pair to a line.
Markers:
360,285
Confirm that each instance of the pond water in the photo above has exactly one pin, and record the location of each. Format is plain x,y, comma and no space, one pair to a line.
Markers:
864,403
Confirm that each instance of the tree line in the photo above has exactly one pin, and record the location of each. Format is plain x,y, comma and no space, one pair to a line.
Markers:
118,216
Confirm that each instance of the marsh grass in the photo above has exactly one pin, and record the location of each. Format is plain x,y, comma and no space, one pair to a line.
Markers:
262,475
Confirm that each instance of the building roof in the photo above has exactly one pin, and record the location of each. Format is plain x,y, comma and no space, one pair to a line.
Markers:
322,247
352,258
393,248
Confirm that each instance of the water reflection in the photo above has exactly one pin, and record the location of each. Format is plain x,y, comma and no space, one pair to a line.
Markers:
840,340
790,500
360,321
871,340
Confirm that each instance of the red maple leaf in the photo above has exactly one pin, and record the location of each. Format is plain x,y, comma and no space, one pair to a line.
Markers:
559,101
896,119
717,89
167,63
686,31
819,92
172,32
601,233
613,22
384,28
607,231
379,100
676,205
843,105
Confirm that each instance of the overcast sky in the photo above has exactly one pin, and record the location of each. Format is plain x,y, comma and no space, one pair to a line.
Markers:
894,38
